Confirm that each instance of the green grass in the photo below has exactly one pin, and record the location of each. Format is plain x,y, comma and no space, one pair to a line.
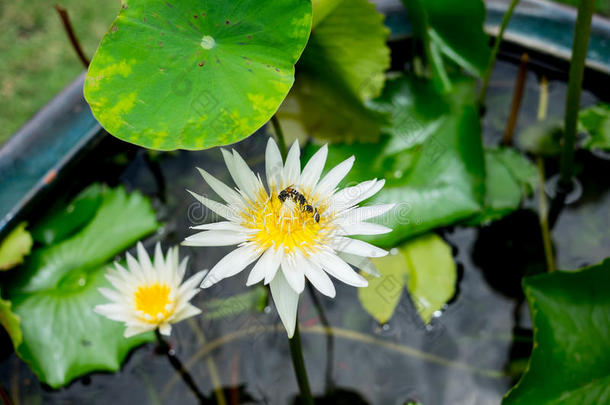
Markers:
37,60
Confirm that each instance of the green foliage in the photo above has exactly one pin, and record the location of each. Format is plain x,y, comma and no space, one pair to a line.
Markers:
15,247
342,67
253,300
425,266
56,290
595,121
192,74
10,321
64,219
451,29
510,178
542,138
570,361
431,157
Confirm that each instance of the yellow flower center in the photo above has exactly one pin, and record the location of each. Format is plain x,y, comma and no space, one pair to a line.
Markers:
285,223
154,303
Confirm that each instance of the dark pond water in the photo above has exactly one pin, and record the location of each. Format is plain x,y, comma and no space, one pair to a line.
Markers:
470,354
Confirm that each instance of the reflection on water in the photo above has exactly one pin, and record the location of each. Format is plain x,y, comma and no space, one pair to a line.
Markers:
470,354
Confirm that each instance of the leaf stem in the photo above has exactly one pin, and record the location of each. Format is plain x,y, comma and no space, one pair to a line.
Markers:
577,68
65,19
296,352
494,52
175,362
516,103
330,386
279,134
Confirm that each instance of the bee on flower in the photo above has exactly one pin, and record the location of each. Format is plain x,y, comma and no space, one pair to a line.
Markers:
296,228
150,294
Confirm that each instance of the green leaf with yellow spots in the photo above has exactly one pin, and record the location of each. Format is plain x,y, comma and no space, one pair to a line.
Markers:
56,290
193,74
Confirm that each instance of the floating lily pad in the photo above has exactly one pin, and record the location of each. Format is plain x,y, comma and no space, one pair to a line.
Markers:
424,265
55,293
570,361
195,74
15,247
510,178
342,67
437,24
431,158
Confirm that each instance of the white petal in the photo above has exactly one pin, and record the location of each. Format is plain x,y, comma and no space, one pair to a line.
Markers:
137,329
286,301
159,262
267,264
248,182
218,208
362,263
111,311
222,226
337,268
293,273
361,214
225,192
165,329
192,283
292,168
319,279
186,312
313,169
332,179
351,196
357,247
231,264
112,295
215,238
364,228
144,260
274,166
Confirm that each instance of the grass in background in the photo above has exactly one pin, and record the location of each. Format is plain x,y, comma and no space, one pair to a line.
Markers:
36,58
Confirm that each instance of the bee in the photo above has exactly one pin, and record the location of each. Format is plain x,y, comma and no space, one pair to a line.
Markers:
298,198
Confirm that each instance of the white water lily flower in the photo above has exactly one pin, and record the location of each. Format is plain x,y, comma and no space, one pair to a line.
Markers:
299,224
150,295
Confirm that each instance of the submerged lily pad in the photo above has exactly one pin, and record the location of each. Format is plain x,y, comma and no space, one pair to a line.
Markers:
424,265
595,121
55,292
195,74
15,247
65,219
570,361
431,157
451,29
342,67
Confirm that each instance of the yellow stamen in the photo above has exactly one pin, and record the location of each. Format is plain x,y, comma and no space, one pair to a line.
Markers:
154,303
284,223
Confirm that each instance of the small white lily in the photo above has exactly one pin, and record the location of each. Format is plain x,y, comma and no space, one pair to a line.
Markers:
150,295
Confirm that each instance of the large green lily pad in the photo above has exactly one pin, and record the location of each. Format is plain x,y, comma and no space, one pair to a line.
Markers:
424,265
431,157
570,361
342,67
453,30
194,74
55,292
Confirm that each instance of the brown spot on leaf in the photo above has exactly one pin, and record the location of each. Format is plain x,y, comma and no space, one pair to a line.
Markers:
227,22
249,37
114,28
195,16
202,63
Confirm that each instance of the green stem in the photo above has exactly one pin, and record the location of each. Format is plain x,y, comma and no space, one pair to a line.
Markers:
577,69
281,141
495,49
177,364
296,352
